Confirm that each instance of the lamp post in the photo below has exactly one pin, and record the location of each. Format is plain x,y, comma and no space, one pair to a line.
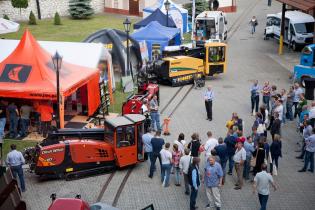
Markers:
127,24
167,7
57,61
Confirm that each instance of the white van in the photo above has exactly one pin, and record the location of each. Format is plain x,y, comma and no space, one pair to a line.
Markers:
298,28
211,25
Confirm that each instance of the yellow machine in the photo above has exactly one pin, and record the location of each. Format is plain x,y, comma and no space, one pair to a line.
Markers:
200,62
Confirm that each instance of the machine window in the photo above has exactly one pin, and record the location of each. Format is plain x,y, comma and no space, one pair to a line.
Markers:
270,21
277,22
304,27
125,136
217,54
109,135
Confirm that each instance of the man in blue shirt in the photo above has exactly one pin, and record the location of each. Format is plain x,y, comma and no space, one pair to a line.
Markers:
146,140
221,150
157,143
213,181
309,153
195,182
254,91
208,96
230,142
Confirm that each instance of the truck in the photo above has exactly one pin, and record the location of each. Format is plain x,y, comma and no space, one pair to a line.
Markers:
306,68
298,28
210,25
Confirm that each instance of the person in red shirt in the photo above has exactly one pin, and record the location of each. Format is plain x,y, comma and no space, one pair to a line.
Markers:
46,111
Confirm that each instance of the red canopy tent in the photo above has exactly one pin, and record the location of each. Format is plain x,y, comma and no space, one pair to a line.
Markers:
28,73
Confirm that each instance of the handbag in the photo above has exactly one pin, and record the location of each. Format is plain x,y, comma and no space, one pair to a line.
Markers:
274,170
261,128
253,162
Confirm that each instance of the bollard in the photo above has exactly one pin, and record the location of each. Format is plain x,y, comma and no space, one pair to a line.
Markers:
166,131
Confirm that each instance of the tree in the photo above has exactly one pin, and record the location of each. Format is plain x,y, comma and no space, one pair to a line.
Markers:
19,4
80,9
32,19
201,5
57,20
6,17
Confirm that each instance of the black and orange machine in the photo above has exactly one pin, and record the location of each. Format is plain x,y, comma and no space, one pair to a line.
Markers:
72,153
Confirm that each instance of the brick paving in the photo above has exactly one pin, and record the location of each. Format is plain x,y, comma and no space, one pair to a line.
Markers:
249,59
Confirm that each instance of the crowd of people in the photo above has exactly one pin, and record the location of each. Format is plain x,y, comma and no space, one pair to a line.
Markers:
253,157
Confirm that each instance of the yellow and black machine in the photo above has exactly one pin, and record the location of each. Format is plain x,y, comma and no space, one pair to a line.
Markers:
179,67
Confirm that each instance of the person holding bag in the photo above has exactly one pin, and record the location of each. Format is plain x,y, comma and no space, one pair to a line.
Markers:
260,157
275,150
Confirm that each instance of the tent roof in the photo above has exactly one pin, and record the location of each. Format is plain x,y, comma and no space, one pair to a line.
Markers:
28,72
72,52
304,5
158,16
155,31
160,5
8,26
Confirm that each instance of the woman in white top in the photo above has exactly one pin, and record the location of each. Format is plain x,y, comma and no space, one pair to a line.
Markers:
181,143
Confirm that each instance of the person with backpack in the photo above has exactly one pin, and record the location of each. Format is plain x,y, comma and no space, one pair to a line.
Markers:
194,145
194,182
213,181
184,164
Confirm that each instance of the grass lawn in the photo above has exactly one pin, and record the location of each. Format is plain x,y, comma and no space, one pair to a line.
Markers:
71,30
119,98
20,144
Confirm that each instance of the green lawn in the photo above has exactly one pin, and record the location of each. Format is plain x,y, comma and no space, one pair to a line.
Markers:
21,144
119,98
70,30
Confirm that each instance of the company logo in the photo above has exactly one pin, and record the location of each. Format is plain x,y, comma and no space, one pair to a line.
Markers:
16,73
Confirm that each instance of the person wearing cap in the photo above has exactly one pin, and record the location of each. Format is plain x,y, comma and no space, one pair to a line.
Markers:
239,159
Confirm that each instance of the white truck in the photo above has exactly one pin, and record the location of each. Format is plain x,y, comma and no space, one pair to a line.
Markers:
210,25
298,28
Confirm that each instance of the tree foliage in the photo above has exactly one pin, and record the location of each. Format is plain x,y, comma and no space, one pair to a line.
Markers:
57,20
200,5
80,9
21,4
6,17
32,19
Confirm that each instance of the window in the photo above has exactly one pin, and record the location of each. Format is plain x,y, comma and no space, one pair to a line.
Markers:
217,54
304,27
270,21
292,30
125,136
109,135
277,22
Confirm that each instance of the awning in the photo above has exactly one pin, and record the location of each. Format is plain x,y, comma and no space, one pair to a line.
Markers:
304,5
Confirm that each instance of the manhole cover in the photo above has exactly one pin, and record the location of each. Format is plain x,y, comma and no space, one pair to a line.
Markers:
228,86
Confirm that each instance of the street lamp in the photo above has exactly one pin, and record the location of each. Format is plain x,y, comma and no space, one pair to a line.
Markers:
167,7
57,61
127,24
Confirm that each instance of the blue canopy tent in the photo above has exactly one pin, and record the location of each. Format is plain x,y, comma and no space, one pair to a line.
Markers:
179,14
158,35
158,16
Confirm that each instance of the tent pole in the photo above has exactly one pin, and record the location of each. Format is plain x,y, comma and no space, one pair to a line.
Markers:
193,20
58,98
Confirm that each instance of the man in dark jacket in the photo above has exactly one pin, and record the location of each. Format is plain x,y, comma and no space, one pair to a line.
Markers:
230,142
276,126
221,151
195,182
157,144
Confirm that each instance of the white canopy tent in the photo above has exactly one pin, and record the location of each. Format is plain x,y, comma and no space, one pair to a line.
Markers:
8,26
79,53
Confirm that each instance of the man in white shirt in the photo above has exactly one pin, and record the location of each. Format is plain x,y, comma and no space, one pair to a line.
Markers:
261,183
239,158
210,144
184,163
208,97
279,109
181,142
166,158
312,114
15,160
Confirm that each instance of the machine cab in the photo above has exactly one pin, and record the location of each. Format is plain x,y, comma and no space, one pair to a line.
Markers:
128,131
215,59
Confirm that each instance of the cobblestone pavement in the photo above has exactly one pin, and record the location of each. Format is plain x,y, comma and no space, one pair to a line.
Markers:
249,58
